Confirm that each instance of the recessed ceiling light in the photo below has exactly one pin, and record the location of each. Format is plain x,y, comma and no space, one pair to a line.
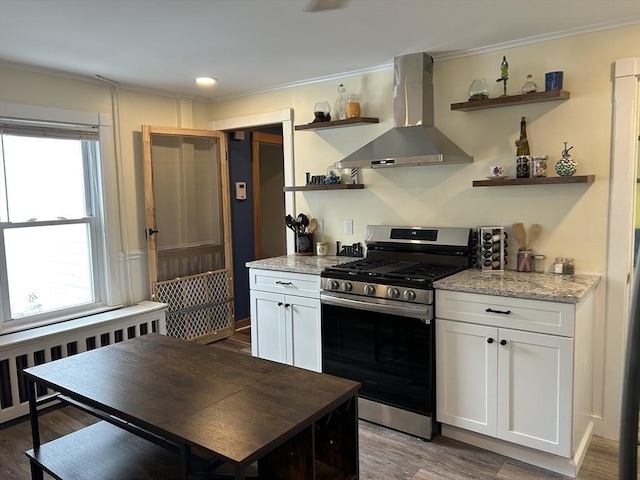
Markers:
206,81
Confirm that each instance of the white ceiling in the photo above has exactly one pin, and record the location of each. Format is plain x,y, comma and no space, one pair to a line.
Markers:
256,45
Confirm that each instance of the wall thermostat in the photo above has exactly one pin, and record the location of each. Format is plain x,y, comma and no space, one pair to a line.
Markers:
241,190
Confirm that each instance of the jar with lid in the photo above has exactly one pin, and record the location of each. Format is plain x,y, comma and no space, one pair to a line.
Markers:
558,265
538,263
529,86
539,165
353,106
568,268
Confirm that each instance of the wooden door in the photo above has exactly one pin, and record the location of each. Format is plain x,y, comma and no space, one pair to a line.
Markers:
188,230
268,197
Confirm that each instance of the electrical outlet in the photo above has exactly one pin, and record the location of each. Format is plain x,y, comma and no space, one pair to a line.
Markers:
348,227
320,226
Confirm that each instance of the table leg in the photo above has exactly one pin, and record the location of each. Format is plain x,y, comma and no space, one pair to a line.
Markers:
238,473
36,471
185,453
33,413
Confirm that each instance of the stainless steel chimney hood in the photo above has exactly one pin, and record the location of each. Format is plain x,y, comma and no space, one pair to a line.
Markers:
413,140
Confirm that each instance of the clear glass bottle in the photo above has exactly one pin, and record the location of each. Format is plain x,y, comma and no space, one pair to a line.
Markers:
341,104
529,86
558,265
568,268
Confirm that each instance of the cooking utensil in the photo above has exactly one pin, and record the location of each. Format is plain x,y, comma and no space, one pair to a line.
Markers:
520,234
313,224
291,223
303,222
534,232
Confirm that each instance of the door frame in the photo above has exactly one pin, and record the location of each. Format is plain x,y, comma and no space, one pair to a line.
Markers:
284,117
622,185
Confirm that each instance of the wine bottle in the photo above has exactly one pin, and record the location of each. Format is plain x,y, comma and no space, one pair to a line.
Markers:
523,154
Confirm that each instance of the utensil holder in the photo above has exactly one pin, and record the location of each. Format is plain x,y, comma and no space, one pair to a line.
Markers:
304,244
491,249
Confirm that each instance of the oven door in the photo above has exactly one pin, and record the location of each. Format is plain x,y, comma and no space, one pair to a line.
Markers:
386,347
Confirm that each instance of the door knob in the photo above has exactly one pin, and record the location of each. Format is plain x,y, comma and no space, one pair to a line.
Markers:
489,340
503,342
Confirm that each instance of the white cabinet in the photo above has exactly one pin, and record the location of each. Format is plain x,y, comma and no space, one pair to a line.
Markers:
509,384
285,318
506,369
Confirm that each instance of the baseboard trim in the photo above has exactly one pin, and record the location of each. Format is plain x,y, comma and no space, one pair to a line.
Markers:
555,463
240,324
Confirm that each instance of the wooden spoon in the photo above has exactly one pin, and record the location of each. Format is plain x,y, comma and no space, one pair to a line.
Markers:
534,233
520,234
313,224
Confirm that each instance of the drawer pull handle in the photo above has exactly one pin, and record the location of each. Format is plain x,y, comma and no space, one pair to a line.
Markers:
283,283
491,310
489,340
503,342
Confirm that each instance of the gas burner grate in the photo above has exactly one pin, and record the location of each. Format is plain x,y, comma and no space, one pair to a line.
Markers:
361,266
423,272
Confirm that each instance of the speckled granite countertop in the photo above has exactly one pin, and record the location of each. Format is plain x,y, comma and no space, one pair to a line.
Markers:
535,286
299,263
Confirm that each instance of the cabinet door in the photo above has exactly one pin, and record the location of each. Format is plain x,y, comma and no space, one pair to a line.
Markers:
268,326
535,390
306,350
466,376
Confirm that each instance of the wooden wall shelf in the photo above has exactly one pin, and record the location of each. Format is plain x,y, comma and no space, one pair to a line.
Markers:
337,123
339,186
505,182
523,99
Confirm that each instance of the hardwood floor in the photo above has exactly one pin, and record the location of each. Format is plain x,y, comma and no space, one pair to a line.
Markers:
384,454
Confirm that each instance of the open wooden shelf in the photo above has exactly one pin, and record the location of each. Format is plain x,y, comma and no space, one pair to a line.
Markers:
505,182
523,99
338,186
337,123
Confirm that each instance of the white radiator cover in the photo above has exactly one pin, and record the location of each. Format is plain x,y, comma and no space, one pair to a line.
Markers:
41,345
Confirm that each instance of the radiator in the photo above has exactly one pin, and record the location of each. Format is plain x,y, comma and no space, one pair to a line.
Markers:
21,350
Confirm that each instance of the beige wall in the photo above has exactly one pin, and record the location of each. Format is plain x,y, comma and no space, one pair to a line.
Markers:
574,217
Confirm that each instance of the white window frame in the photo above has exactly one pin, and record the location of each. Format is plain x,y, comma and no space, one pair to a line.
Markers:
107,285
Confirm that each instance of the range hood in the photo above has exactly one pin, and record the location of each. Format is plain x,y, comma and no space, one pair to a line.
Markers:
413,140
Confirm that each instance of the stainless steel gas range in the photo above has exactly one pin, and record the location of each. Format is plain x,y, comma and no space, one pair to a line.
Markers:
378,321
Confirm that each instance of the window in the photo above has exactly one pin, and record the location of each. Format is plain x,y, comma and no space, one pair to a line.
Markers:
53,240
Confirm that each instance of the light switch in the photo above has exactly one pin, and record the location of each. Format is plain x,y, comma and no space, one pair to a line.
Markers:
241,190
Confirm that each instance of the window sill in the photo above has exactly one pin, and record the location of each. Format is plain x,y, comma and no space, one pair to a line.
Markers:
103,315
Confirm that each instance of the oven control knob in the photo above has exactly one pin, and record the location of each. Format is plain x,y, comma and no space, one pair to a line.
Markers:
393,293
369,289
333,284
346,287
409,295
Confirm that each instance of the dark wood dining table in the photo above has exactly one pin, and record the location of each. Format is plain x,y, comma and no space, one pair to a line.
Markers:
173,409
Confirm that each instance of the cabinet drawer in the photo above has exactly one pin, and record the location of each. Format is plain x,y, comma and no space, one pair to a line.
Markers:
516,313
284,282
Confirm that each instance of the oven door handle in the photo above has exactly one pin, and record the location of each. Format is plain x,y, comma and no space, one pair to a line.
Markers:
424,312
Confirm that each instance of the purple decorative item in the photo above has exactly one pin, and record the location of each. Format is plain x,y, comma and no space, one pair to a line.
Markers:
553,81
